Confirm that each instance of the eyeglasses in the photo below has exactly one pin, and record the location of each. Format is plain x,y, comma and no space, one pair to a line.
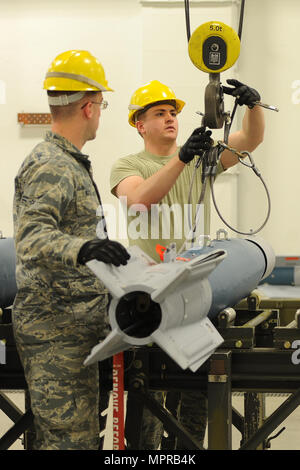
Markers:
103,104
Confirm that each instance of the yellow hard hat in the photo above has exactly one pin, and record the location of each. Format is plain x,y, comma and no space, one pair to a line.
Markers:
77,71
148,94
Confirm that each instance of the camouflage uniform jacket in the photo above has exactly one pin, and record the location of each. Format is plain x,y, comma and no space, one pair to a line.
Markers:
55,207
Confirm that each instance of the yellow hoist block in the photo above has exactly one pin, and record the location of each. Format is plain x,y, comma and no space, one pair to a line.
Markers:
214,47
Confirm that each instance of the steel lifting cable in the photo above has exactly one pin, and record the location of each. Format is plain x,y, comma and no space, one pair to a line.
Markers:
190,199
241,19
200,200
241,156
240,30
187,19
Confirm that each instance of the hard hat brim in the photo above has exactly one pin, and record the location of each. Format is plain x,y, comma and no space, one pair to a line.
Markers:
179,105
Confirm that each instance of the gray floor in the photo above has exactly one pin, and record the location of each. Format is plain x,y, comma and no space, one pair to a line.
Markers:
288,440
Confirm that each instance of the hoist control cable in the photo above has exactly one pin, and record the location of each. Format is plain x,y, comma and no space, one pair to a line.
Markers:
211,166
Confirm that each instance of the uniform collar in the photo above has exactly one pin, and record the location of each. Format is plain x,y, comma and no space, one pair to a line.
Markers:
160,158
67,146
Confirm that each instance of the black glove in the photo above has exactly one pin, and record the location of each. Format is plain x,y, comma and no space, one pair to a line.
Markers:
243,93
105,250
197,143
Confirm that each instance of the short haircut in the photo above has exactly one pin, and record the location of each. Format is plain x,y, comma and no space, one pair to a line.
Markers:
69,110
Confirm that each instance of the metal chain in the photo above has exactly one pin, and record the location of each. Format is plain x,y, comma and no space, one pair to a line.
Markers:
242,154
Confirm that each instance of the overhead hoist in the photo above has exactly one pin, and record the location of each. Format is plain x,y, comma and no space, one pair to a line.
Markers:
213,48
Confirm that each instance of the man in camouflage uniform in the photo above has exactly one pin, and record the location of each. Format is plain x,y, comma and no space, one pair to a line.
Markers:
60,311
160,175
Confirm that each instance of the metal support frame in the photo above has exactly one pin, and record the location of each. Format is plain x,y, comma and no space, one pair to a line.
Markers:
273,372
254,406
9,408
139,396
173,405
171,425
219,401
250,368
253,371
271,423
15,432
137,381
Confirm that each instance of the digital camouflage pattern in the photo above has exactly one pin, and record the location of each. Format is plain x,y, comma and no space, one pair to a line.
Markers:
193,415
60,311
152,428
